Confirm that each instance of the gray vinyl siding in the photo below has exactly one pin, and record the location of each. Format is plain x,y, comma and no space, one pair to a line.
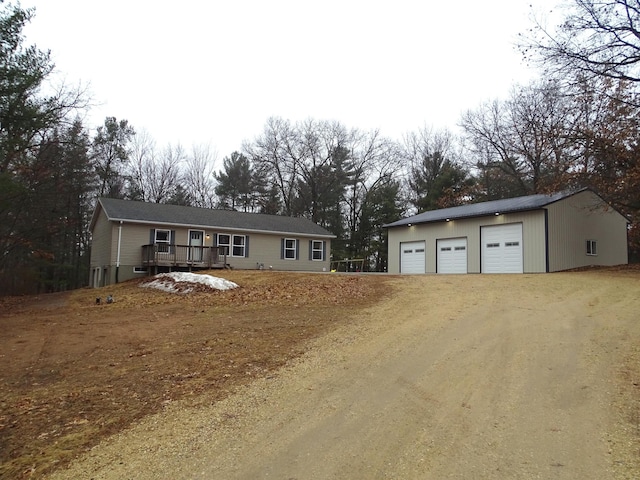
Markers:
264,249
121,228
101,242
583,217
533,239
100,261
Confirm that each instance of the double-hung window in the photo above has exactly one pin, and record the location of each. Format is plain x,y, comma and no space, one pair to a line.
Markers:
224,242
317,250
162,239
233,245
290,248
239,244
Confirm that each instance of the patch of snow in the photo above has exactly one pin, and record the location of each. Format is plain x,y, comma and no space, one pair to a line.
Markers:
183,282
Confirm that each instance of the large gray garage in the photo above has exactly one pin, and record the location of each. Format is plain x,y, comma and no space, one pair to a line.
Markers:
532,234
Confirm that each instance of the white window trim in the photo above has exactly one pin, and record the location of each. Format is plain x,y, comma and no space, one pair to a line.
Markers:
592,248
315,250
227,246
290,249
166,242
243,246
230,247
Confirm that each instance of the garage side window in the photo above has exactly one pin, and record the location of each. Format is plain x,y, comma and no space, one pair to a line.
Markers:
592,247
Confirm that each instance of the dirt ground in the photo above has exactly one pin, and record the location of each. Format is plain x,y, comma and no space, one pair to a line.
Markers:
328,376
74,372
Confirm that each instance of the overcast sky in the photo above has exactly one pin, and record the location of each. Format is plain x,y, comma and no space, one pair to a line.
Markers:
212,72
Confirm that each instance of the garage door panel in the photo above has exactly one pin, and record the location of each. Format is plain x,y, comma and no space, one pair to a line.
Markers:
452,255
412,257
502,248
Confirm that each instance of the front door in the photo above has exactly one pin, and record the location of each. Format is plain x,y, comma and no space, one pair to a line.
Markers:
196,238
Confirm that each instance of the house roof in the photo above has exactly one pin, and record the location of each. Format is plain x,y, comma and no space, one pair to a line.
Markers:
507,205
178,215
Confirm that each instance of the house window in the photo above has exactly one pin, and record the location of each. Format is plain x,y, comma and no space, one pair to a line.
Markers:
290,249
239,243
592,247
234,245
162,239
317,250
224,242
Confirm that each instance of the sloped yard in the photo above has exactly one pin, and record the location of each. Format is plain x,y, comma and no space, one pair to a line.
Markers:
74,372
328,376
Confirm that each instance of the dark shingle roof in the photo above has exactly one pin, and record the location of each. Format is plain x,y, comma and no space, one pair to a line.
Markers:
178,215
507,205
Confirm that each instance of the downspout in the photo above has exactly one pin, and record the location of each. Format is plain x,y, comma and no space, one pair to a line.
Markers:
118,255
546,240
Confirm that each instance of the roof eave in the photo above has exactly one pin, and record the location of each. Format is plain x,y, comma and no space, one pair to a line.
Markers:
461,217
227,229
94,216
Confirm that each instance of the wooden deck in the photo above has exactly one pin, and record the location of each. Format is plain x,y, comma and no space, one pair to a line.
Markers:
183,256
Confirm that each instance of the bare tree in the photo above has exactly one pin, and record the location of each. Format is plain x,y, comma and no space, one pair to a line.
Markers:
154,176
520,145
141,156
595,38
276,154
199,176
374,160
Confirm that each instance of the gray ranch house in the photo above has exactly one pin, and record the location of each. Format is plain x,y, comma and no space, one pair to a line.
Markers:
531,234
132,239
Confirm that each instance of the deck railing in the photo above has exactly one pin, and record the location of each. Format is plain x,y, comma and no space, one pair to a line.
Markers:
161,254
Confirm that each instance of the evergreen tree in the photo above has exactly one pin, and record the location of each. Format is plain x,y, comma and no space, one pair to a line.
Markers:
110,150
236,188
37,175
382,206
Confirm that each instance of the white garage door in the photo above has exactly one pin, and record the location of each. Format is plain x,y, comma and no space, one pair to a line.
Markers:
502,248
452,255
412,258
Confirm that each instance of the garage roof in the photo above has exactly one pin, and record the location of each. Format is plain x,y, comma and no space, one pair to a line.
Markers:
507,205
178,215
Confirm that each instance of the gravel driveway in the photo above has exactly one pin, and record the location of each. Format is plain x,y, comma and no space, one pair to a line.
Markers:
467,377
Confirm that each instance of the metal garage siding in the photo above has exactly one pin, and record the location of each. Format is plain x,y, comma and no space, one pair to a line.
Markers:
502,250
452,255
412,257
533,239
581,217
